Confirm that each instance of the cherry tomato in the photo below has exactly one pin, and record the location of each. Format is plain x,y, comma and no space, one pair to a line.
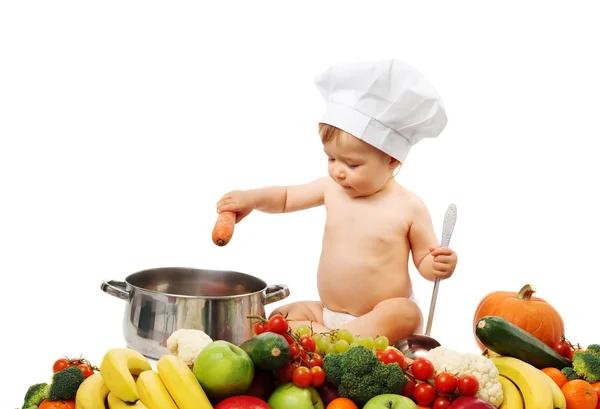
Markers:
286,372
261,327
393,355
445,383
424,394
294,351
562,347
409,389
442,402
278,324
317,376
379,355
315,360
86,369
308,343
303,357
60,364
422,369
468,385
302,377
288,338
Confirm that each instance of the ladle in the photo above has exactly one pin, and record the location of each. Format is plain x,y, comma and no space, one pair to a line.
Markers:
416,345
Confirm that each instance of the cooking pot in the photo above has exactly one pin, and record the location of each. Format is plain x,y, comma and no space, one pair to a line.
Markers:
163,300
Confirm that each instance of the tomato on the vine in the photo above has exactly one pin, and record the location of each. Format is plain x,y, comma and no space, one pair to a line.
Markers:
261,327
60,364
442,402
409,389
468,385
294,351
424,394
315,360
278,324
445,383
317,376
289,338
286,372
562,347
86,369
308,343
422,369
302,377
393,355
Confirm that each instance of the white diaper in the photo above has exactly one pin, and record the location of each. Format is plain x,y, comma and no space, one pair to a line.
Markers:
334,320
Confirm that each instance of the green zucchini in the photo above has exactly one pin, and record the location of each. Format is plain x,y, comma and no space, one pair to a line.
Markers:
268,350
505,338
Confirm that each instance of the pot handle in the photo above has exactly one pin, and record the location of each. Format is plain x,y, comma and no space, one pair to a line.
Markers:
115,288
276,292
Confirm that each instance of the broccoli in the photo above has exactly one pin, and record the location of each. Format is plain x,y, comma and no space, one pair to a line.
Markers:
359,375
65,384
587,365
35,395
594,349
570,373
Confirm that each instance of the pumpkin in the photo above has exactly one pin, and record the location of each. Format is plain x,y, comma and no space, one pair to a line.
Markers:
530,313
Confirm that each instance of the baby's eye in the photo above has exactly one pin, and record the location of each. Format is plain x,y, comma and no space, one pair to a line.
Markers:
352,166
330,159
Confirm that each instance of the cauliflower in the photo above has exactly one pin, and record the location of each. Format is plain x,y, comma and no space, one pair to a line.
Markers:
187,344
458,363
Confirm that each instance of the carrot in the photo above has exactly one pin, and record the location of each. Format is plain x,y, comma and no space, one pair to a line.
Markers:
223,229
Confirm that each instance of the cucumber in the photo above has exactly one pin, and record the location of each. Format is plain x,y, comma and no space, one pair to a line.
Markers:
505,338
268,350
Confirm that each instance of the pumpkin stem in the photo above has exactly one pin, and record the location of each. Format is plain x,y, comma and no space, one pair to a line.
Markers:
526,292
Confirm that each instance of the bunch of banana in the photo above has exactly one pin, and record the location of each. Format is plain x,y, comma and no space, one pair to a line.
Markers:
526,387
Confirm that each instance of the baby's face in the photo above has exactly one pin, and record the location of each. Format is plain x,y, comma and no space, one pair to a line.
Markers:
357,166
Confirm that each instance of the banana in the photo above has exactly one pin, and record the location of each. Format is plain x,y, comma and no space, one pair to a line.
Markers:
153,392
118,366
534,388
557,396
91,393
181,383
115,403
512,396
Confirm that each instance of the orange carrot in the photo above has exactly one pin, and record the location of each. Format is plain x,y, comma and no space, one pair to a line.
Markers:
223,229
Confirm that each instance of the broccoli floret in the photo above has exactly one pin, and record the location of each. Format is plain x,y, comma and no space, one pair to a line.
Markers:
594,349
359,375
587,366
65,384
35,395
570,373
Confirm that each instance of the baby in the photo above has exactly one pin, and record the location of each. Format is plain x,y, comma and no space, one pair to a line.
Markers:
375,113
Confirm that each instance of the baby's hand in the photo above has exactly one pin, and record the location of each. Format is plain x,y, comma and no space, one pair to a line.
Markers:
237,201
444,261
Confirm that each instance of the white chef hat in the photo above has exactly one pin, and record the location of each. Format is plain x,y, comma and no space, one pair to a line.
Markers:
387,104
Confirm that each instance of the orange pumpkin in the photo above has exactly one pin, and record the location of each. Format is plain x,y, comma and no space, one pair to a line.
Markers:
532,314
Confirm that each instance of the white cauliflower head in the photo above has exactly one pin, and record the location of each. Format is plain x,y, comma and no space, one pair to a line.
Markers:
187,344
460,363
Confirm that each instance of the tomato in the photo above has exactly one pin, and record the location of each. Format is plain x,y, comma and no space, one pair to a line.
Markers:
294,351
409,389
60,364
286,372
302,376
424,393
308,343
379,355
442,402
86,369
278,324
562,347
393,355
422,369
468,385
315,360
288,338
445,383
57,404
317,376
261,327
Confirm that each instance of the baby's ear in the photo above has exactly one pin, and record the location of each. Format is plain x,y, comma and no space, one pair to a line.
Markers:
394,163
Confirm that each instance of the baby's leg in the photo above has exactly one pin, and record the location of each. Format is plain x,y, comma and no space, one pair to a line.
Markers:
303,313
395,318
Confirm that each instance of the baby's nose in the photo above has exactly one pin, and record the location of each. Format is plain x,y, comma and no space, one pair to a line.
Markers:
341,174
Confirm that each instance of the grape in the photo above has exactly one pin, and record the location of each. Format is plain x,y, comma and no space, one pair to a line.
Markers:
345,335
330,349
354,344
367,342
341,345
303,330
382,342
322,345
317,336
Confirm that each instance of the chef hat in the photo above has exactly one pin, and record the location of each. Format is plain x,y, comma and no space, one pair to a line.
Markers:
387,104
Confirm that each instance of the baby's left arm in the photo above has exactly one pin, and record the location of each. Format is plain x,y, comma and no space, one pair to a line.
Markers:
430,259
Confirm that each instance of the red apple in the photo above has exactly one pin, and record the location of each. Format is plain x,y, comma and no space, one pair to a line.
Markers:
242,402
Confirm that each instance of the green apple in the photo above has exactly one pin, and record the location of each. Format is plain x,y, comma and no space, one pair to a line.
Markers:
223,370
290,396
390,401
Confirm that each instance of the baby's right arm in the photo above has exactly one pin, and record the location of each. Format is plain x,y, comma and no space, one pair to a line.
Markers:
274,199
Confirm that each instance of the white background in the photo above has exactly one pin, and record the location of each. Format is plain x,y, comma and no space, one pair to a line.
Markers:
122,124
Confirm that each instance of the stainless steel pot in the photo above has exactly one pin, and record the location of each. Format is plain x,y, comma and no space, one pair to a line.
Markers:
163,300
